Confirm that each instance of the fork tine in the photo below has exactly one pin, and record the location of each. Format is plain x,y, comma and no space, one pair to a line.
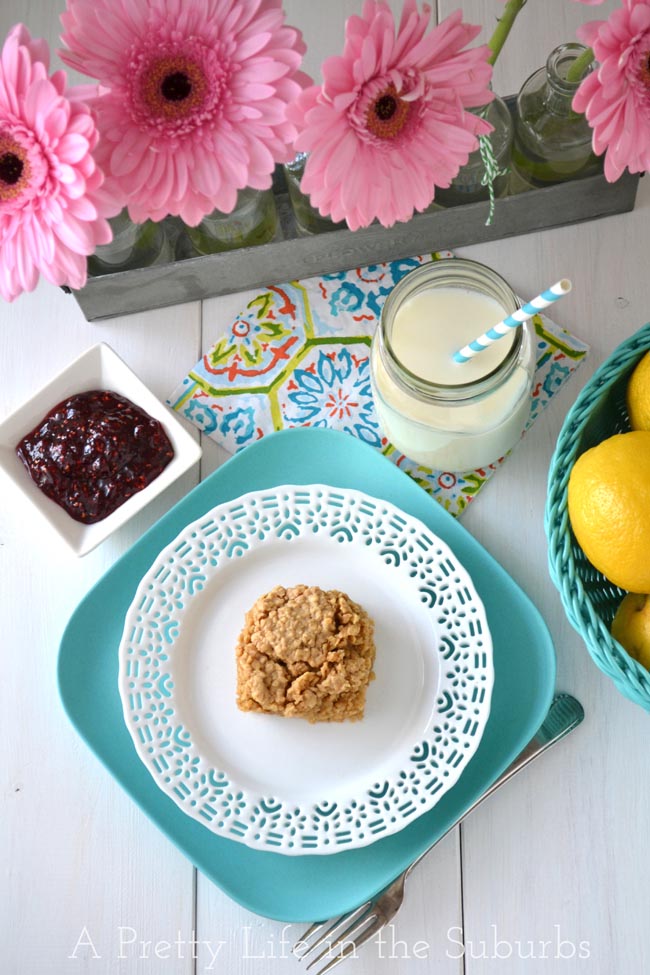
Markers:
314,929
346,937
351,947
334,926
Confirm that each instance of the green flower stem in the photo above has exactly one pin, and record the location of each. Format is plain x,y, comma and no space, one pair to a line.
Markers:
503,27
578,67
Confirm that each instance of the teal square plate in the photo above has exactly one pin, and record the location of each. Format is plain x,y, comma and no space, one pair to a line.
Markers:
304,888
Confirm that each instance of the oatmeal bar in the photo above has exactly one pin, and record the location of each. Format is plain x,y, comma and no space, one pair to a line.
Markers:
306,653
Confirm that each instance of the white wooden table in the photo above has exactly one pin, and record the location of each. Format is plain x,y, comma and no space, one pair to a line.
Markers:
554,868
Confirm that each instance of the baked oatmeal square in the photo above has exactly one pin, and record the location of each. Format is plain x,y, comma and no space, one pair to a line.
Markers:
305,652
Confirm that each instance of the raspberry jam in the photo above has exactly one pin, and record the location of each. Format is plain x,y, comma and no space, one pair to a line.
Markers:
93,451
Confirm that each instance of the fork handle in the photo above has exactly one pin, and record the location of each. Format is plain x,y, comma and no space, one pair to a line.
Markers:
563,716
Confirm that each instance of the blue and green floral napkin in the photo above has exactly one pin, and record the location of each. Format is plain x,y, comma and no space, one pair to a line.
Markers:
299,355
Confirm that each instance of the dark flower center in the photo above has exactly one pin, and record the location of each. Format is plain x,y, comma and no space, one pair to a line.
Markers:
11,168
385,107
176,86
645,70
171,89
387,114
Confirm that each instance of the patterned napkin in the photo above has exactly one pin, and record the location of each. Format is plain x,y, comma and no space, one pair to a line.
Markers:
298,355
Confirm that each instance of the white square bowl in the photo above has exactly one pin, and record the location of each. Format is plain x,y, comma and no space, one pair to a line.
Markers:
97,368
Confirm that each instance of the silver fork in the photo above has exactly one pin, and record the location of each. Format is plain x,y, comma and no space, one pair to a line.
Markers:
565,714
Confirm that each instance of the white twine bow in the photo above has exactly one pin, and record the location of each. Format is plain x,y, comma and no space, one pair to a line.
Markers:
492,171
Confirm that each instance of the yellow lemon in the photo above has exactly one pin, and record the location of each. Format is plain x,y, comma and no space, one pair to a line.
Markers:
609,508
638,395
631,626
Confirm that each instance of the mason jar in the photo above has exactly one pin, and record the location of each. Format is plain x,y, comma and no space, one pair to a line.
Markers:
442,414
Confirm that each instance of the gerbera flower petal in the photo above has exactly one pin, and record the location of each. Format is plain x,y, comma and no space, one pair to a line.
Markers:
128,154
341,159
71,148
190,80
616,97
412,28
52,201
388,123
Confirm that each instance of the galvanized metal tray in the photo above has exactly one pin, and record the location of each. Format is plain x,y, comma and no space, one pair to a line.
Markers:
295,256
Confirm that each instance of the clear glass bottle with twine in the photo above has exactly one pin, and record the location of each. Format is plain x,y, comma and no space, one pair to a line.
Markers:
471,184
552,143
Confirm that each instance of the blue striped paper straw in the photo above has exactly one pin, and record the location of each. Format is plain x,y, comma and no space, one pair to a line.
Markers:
522,314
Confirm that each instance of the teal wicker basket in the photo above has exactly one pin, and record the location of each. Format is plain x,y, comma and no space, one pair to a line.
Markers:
589,599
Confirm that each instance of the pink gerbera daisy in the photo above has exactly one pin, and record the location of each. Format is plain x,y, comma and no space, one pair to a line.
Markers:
196,106
52,203
616,97
389,124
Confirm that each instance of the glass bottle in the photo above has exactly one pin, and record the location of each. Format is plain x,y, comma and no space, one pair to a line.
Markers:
552,143
307,217
133,245
469,185
253,221
468,415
